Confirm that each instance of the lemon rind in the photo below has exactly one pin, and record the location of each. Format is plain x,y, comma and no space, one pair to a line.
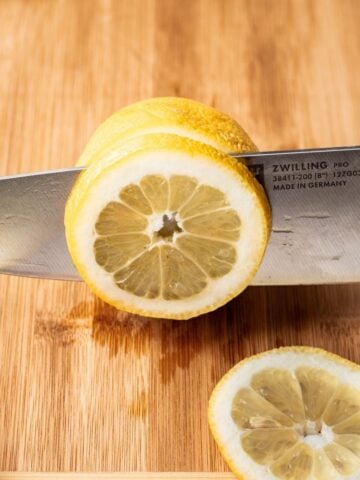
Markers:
191,117
293,349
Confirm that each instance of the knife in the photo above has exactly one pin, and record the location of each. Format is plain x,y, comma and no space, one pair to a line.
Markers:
315,200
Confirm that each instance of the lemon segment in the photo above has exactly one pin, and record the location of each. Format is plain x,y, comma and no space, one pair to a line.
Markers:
134,197
323,468
349,441
344,461
282,390
182,278
270,424
295,464
204,199
349,425
251,410
181,189
142,276
222,224
114,251
117,218
317,388
343,404
156,190
214,257
167,227
266,445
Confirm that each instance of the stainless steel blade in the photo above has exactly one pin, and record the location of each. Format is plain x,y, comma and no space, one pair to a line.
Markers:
32,236
315,199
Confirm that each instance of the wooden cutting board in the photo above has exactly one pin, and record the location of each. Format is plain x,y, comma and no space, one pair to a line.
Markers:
117,476
82,386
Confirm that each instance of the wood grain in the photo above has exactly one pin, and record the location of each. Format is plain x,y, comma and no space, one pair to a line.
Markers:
86,388
116,476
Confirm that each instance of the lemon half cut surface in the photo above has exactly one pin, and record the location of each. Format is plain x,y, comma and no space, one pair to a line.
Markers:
292,414
167,226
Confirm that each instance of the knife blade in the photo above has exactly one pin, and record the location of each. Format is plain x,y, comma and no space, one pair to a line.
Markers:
315,200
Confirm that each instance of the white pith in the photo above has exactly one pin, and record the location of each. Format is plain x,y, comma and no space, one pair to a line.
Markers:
229,434
318,440
249,246
155,223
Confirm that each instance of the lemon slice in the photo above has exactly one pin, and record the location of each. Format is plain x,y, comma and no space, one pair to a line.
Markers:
166,226
180,116
291,414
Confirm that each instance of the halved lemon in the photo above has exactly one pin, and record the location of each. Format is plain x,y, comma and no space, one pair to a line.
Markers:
179,116
290,414
167,226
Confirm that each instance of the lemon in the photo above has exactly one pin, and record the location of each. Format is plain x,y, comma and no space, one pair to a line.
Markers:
174,115
163,222
166,226
292,414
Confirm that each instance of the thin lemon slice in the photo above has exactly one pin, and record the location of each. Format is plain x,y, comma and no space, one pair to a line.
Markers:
166,226
179,116
290,414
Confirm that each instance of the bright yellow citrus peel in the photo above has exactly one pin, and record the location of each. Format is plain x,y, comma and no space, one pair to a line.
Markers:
160,223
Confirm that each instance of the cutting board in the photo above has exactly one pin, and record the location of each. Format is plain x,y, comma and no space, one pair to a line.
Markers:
82,386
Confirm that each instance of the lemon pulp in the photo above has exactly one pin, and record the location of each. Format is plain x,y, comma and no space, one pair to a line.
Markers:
300,422
166,236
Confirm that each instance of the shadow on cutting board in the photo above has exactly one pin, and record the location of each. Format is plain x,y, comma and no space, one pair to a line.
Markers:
261,318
